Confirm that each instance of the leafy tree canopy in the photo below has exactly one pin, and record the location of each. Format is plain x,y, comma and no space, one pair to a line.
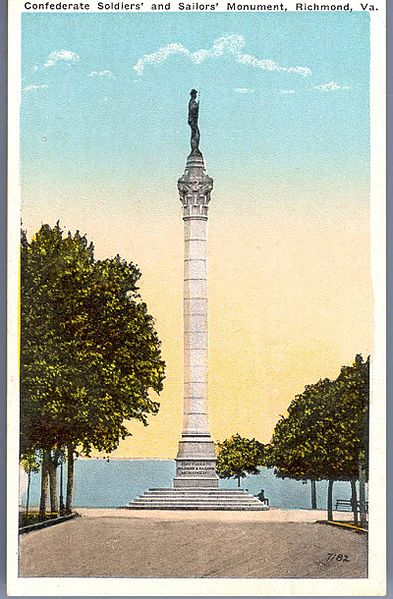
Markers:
325,432
89,352
238,456
30,462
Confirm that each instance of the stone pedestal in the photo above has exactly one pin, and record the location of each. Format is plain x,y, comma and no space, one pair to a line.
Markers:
195,461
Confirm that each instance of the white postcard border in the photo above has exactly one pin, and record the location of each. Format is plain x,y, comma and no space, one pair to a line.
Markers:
375,583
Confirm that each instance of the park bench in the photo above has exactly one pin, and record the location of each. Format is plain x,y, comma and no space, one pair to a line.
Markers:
345,505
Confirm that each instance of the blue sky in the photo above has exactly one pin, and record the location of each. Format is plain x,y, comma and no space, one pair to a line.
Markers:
287,144
87,112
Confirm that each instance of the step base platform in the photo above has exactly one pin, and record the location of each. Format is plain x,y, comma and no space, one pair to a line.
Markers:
197,499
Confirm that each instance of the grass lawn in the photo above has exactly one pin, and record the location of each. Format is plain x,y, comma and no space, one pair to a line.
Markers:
33,517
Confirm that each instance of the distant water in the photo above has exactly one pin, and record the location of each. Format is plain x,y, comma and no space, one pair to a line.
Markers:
99,483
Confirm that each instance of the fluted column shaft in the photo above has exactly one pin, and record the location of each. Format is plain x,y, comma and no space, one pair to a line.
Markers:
195,461
195,326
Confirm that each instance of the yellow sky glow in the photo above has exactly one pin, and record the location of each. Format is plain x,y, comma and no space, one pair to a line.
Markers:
290,298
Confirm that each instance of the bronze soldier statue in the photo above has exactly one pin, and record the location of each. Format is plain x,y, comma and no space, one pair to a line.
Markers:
193,111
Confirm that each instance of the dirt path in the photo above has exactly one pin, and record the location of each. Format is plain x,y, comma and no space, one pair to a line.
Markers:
123,543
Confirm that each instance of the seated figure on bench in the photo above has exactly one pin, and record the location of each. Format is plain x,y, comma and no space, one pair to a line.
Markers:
261,497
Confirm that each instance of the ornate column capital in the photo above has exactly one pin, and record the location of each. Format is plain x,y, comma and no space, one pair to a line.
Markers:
194,189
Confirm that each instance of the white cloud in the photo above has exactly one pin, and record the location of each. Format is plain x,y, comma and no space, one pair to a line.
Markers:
35,68
286,92
160,56
228,45
243,90
62,55
105,73
330,87
33,87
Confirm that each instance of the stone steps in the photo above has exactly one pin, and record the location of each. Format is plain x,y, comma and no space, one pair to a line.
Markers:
197,507
193,501
195,494
200,490
197,499
194,498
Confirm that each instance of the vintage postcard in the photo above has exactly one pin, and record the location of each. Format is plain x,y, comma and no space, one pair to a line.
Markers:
196,292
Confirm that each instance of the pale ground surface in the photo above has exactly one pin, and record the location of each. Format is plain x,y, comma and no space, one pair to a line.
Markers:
127,543
272,515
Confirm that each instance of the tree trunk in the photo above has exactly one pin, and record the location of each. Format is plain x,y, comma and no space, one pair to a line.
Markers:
53,492
61,499
28,491
313,494
70,478
44,484
354,499
330,501
238,482
362,490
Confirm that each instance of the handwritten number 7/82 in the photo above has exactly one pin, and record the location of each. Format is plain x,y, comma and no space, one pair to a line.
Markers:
338,557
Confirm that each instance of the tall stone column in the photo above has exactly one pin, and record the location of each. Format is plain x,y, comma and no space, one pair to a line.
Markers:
195,486
195,461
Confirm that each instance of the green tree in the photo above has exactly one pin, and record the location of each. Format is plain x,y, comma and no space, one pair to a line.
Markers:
302,446
238,456
90,355
353,385
325,433
30,463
